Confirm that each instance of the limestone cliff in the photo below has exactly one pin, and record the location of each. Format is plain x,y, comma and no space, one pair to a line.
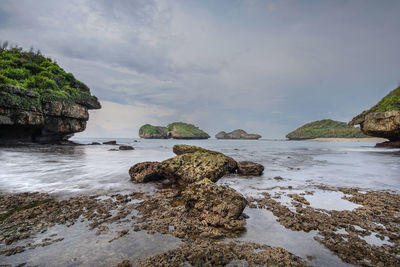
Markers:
39,101
383,119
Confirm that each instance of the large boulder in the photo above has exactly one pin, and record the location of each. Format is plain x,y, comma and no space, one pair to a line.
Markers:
146,171
192,167
237,134
249,168
383,119
214,204
183,149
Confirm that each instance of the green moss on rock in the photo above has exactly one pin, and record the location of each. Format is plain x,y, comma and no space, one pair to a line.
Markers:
325,129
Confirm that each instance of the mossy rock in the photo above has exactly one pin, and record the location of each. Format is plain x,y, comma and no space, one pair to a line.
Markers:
214,204
325,129
181,130
192,167
237,134
176,130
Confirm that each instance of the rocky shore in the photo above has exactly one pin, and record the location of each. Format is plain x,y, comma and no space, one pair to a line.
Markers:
206,218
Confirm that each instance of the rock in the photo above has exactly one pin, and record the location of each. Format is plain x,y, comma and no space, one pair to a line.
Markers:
153,132
383,119
237,134
124,263
249,168
44,112
191,167
113,149
183,149
325,129
146,171
95,143
389,144
176,130
214,204
126,148
110,143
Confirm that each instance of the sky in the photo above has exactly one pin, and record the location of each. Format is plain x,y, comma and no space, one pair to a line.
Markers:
263,66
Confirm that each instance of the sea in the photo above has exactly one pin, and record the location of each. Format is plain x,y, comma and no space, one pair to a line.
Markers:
65,171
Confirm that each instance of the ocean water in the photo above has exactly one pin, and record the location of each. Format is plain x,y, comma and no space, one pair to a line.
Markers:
71,170
64,171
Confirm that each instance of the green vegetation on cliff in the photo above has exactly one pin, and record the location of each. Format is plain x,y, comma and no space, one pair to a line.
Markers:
186,130
325,129
390,102
177,130
28,74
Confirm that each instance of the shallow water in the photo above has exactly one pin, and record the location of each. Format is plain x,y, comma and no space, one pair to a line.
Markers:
290,167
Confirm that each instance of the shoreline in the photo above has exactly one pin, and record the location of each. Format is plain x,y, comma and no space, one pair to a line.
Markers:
367,139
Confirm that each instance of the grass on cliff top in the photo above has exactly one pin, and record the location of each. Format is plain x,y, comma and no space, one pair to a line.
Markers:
186,129
390,102
32,71
326,129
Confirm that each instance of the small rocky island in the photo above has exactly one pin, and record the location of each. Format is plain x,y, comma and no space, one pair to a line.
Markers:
39,101
237,134
325,129
382,120
175,130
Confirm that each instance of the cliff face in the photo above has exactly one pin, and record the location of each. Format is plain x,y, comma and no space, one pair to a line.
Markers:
39,101
24,117
383,119
176,130
237,134
325,129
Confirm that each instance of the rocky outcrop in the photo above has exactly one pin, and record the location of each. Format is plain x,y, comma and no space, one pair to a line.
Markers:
249,168
383,119
237,134
214,204
146,171
176,130
25,117
325,129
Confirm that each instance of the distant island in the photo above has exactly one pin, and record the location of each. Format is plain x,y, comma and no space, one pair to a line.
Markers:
325,129
237,134
383,119
39,101
175,130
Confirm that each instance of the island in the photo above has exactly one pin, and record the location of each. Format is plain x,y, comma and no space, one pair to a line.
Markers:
325,129
175,130
39,101
237,134
382,120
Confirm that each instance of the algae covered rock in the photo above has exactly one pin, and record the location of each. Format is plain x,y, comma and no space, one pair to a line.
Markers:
183,149
39,101
383,119
237,134
214,204
325,129
153,132
249,168
192,167
176,130
146,171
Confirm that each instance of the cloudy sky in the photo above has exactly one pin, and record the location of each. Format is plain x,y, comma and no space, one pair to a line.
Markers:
264,66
